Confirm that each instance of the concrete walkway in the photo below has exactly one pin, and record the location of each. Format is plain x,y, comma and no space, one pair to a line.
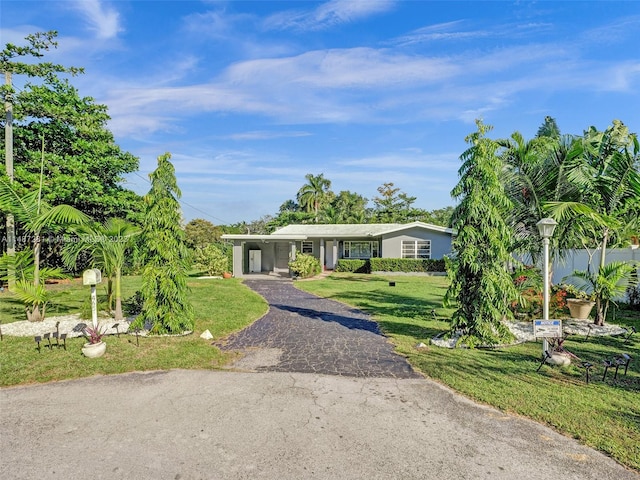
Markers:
366,416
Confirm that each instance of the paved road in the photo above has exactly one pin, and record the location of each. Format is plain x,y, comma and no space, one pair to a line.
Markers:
275,425
364,417
305,333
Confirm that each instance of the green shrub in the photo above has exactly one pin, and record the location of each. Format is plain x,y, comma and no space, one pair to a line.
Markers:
422,265
353,266
305,265
213,259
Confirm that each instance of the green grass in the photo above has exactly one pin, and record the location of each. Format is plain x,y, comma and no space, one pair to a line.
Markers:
222,307
604,415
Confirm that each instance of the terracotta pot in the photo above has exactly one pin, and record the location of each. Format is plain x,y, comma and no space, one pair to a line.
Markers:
94,350
226,275
579,308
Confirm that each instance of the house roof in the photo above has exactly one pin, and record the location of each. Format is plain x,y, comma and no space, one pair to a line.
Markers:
355,230
352,230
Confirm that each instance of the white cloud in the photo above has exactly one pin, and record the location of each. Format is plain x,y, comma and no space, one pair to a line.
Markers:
265,135
105,21
327,15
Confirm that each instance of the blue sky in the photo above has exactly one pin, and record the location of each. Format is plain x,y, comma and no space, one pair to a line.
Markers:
250,96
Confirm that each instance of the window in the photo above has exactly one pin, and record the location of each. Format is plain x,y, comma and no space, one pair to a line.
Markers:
360,250
307,247
416,249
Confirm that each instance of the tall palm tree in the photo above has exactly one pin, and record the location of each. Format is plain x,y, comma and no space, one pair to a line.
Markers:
605,170
314,193
107,244
35,217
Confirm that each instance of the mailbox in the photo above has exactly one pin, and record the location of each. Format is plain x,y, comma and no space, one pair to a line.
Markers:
91,277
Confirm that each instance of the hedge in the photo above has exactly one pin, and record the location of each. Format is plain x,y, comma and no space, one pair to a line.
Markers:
353,266
391,265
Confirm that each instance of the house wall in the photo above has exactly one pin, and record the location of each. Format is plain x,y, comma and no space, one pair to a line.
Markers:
392,243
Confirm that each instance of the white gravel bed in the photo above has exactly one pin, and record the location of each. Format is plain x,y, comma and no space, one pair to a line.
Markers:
67,325
524,331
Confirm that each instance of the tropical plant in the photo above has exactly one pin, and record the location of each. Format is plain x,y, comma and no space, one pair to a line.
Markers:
481,286
305,265
36,217
165,257
314,194
212,259
609,282
94,334
37,44
108,245
605,172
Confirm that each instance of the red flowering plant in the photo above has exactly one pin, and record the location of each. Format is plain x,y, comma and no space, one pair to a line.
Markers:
558,301
528,282
94,335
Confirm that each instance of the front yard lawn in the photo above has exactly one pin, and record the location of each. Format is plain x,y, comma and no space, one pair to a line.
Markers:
221,306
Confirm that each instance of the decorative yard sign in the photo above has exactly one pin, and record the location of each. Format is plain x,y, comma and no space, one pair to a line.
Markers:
547,328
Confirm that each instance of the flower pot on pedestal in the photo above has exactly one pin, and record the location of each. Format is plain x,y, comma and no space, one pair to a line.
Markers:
580,308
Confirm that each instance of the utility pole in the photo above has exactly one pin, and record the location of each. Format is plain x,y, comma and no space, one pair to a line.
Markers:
8,148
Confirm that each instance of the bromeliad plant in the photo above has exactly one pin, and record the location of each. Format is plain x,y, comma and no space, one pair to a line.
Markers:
94,334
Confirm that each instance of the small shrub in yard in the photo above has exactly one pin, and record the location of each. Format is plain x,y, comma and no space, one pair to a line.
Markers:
305,265
133,304
212,259
353,266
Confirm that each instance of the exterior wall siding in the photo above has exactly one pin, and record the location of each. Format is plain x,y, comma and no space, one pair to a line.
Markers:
392,243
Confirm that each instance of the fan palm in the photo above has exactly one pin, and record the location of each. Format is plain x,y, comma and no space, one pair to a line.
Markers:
605,171
611,281
35,217
107,244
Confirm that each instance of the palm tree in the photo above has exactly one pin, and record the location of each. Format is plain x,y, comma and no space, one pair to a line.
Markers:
107,244
314,194
605,172
35,217
611,281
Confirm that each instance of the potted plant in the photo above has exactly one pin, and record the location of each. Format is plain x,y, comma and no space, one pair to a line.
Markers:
608,283
94,347
580,303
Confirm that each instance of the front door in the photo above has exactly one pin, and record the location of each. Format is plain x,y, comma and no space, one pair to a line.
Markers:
282,257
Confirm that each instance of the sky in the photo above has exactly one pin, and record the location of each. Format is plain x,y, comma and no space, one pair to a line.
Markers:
250,96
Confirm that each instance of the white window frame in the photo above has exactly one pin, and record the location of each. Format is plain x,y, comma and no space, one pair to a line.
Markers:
348,246
306,247
416,249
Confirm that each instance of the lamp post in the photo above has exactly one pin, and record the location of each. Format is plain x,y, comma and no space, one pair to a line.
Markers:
546,226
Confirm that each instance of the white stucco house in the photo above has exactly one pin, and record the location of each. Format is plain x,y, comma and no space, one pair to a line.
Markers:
332,242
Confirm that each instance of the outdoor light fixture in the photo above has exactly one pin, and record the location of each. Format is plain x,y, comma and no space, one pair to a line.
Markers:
546,226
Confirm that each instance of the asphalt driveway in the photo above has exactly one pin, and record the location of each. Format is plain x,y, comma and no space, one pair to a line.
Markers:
305,333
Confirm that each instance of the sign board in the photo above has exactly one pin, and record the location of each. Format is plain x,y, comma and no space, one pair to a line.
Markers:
547,328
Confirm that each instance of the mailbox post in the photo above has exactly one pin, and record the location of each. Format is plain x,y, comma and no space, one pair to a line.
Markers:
93,277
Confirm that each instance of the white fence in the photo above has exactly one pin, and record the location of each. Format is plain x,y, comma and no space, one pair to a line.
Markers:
579,260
